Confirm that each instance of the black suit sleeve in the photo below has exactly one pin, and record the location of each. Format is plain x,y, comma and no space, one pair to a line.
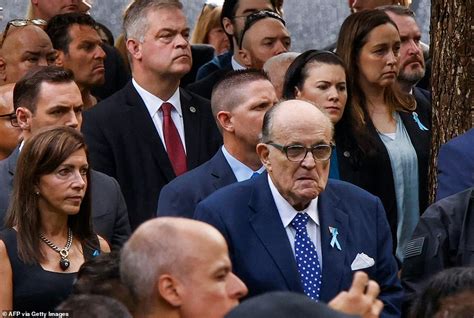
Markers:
122,229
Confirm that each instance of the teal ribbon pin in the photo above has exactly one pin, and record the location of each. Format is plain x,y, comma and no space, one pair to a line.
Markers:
334,240
418,122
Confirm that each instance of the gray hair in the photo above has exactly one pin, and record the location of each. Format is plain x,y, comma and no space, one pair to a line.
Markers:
135,22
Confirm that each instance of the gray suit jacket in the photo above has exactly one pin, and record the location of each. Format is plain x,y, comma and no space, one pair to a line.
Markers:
109,212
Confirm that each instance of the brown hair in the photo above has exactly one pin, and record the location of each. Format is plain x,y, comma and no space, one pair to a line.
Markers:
41,155
352,37
26,90
209,19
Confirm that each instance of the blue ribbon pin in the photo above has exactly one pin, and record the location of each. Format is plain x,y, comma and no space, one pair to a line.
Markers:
417,120
334,240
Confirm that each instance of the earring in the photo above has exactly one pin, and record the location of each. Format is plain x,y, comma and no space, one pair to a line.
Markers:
37,193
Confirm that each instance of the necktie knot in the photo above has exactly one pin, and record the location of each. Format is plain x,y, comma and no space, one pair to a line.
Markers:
166,109
299,222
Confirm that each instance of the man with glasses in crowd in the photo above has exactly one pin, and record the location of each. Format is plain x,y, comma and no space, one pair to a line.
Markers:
9,129
24,45
289,229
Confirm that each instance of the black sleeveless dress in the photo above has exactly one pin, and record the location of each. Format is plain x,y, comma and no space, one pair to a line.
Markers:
36,289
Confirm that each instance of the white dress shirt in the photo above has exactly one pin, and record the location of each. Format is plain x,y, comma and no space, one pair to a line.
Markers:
153,105
287,214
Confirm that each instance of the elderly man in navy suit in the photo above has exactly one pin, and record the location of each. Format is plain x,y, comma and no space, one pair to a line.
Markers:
239,103
289,229
151,131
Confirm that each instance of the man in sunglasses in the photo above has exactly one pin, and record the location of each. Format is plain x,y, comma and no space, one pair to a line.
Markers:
9,129
289,229
24,45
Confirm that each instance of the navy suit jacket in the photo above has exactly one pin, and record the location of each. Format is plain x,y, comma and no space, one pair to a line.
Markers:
109,212
123,143
180,196
246,214
456,165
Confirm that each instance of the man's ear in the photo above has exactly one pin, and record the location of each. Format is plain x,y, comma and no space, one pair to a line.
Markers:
3,70
134,48
228,26
244,56
225,120
24,116
59,58
169,289
264,153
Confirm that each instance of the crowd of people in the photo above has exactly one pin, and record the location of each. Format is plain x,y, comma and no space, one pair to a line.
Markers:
183,172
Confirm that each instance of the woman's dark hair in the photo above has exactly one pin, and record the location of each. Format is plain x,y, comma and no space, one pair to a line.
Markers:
353,36
447,283
298,71
41,155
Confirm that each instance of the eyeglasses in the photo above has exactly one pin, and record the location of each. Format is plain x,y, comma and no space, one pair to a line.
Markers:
12,118
252,18
297,153
21,23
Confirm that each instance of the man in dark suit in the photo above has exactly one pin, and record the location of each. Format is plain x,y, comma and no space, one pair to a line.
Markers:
49,97
238,102
151,131
456,165
287,230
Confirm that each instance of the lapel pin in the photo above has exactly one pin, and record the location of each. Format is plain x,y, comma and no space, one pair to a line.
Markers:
192,109
334,240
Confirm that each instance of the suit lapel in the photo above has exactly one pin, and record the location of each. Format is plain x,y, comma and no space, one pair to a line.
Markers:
266,223
221,171
146,131
334,260
12,160
192,128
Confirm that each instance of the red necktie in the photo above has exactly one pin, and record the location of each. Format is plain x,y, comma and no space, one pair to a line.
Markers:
173,142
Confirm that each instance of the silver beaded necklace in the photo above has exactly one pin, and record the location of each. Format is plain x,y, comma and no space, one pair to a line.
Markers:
63,252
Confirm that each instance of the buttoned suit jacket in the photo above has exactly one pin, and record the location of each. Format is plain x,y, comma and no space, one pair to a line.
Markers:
180,196
109,212
246,215
456,165
124,143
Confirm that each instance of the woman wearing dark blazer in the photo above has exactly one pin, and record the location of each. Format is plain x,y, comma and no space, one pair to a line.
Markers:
385,150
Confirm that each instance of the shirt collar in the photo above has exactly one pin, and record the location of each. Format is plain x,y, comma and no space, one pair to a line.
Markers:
236,65
240,170
287,212
153,103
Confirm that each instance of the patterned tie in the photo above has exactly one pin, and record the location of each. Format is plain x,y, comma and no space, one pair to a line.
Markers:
174,147
307,258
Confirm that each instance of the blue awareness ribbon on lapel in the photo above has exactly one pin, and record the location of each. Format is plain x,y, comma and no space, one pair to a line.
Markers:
334,240
418,122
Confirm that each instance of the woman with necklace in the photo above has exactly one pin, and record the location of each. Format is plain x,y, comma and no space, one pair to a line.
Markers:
48,233
389,131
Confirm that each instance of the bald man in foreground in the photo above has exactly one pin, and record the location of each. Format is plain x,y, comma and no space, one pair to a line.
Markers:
177,267
289,229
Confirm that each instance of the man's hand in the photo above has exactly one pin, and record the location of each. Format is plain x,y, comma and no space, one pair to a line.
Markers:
361,299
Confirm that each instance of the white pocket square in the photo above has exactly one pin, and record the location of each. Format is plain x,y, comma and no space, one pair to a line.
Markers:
362,261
